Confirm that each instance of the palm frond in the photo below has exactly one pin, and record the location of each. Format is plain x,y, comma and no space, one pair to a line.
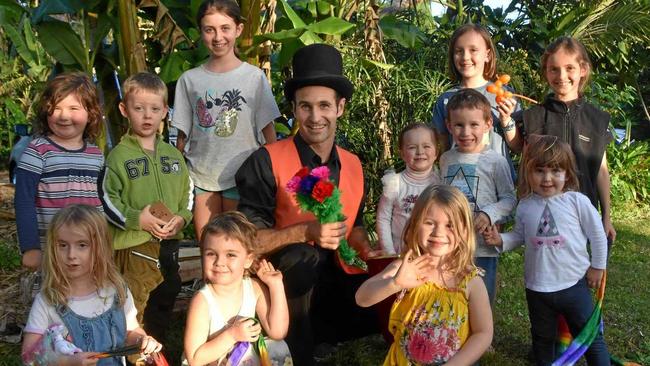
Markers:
612,22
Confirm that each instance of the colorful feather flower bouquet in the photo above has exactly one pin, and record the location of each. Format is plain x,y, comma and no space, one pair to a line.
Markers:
316,193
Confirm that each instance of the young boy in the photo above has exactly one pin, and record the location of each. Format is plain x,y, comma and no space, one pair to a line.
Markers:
141,171
480,173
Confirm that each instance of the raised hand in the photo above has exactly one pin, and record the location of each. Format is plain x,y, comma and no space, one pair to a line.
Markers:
269,275
413,272
245,330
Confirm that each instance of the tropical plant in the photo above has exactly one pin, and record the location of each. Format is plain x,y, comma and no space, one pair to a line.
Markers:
629,171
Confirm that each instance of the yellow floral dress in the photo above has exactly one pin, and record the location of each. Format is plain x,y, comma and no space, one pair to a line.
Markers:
429,324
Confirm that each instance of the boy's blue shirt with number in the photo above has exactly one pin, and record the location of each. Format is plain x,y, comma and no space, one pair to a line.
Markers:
134,178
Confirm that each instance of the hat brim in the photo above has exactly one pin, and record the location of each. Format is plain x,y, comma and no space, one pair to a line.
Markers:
339,83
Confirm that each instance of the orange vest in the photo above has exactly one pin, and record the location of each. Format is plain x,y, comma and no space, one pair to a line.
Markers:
285,163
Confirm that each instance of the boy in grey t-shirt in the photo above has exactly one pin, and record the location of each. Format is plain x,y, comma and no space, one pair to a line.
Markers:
482,174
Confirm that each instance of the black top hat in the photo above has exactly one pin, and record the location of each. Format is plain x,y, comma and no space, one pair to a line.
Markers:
318,64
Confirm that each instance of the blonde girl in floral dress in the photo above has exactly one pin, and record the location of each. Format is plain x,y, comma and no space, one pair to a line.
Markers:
441,315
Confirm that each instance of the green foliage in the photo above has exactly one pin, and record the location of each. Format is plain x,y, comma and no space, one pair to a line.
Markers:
9,256
410,89
629,172
619,102
24,66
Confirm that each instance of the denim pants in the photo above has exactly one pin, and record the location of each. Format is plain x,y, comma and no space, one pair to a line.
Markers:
576,305
489,265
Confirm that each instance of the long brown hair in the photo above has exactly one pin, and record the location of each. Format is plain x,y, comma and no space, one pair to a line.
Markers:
490,69
56,287
572,46
59,88
454,203
546,151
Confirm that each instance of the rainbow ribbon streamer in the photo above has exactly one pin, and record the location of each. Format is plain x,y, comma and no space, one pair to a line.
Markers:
241,348
263,352
572,351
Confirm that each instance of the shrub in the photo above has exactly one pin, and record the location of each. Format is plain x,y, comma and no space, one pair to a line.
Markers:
629,172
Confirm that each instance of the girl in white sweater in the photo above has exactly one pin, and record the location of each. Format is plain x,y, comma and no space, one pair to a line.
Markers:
417,147
556,222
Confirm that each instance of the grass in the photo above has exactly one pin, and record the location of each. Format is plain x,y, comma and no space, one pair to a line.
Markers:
626,308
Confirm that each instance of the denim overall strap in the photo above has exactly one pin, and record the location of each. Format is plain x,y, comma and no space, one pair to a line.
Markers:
99,334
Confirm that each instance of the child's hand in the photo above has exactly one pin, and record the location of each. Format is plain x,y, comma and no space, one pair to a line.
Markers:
609,229
78,359
492,237
150,345
32,259
481,222
269,275
152,224
594,276
174,225
506,108
245,330
412,272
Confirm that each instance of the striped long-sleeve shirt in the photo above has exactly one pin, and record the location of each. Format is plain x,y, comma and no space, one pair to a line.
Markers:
49,178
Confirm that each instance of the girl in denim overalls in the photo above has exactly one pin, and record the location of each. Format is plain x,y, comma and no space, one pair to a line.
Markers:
83,292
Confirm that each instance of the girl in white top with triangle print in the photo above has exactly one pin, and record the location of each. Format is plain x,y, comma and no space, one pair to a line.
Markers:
555,223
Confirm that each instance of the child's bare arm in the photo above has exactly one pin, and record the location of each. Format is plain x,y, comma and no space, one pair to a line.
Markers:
481,326
149,344
603,185
269,133
404,273
200,351
272,308
379,286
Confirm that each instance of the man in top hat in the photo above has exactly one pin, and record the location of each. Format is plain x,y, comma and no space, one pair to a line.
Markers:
320,290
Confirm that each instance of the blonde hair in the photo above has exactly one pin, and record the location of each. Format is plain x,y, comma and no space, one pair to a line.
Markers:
57,89
56,287
454,203
490,69
574,47
144,81
546,151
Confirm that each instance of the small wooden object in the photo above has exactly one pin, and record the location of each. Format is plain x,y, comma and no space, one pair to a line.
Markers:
160,211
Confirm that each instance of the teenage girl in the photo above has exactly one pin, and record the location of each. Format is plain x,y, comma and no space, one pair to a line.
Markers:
442,312
223,313
417,148
60,166
555,223
83,291
224,110
472,61
566,114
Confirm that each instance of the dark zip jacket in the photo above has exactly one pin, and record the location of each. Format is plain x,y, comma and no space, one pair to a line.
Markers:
580,124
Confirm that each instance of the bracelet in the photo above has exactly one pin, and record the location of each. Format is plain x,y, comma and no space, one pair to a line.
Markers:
509,127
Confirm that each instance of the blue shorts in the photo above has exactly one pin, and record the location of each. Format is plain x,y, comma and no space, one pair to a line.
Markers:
230,193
